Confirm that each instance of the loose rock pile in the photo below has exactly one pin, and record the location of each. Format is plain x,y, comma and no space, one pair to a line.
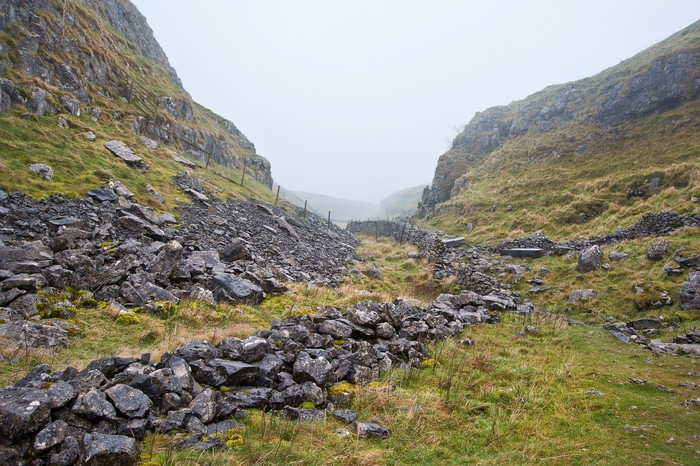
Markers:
99,413
123,252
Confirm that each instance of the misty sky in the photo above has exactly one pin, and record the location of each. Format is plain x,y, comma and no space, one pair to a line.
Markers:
358,98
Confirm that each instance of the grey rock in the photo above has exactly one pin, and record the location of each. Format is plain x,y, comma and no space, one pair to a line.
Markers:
590,259
110,449
307,369
385,330
348,416
6,297
197,349
370,429
204,406
43,170
219,372
223,427
129,401
690,292
134,223
168,257
71,105
362,315
303,415
658,250
617,256
28,334
232,289
296,394
50,436
25,304
181,160
103,194
253,349
94,406
454,242
338,330
61,393
24,281
583,295
236,251
645,323
123,151
23,411
285,226
88,379
136,428
68,455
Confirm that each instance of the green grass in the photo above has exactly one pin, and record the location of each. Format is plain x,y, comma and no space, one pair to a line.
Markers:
509,399
618,297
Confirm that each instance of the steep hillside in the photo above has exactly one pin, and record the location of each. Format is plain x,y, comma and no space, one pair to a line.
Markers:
78,74
341,209
582,157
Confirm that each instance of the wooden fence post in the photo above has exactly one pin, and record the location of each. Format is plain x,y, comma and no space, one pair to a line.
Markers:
278,194
329,219
305,208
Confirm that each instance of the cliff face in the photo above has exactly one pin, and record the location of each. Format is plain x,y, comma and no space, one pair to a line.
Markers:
657,80
83,56
127,19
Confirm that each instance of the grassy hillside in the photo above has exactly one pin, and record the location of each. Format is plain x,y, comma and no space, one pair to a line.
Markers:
571,176
551,195
80,165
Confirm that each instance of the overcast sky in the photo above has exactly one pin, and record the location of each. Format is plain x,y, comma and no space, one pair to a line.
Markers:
358,98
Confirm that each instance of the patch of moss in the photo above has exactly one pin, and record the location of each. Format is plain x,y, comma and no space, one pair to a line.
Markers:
129,318
299,312
307,405
343,387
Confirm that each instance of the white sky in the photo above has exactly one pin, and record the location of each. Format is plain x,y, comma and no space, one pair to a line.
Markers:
358,98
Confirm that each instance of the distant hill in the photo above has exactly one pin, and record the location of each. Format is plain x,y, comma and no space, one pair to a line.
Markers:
341,209
402,203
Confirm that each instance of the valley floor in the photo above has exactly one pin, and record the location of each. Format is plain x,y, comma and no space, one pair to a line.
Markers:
529,390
